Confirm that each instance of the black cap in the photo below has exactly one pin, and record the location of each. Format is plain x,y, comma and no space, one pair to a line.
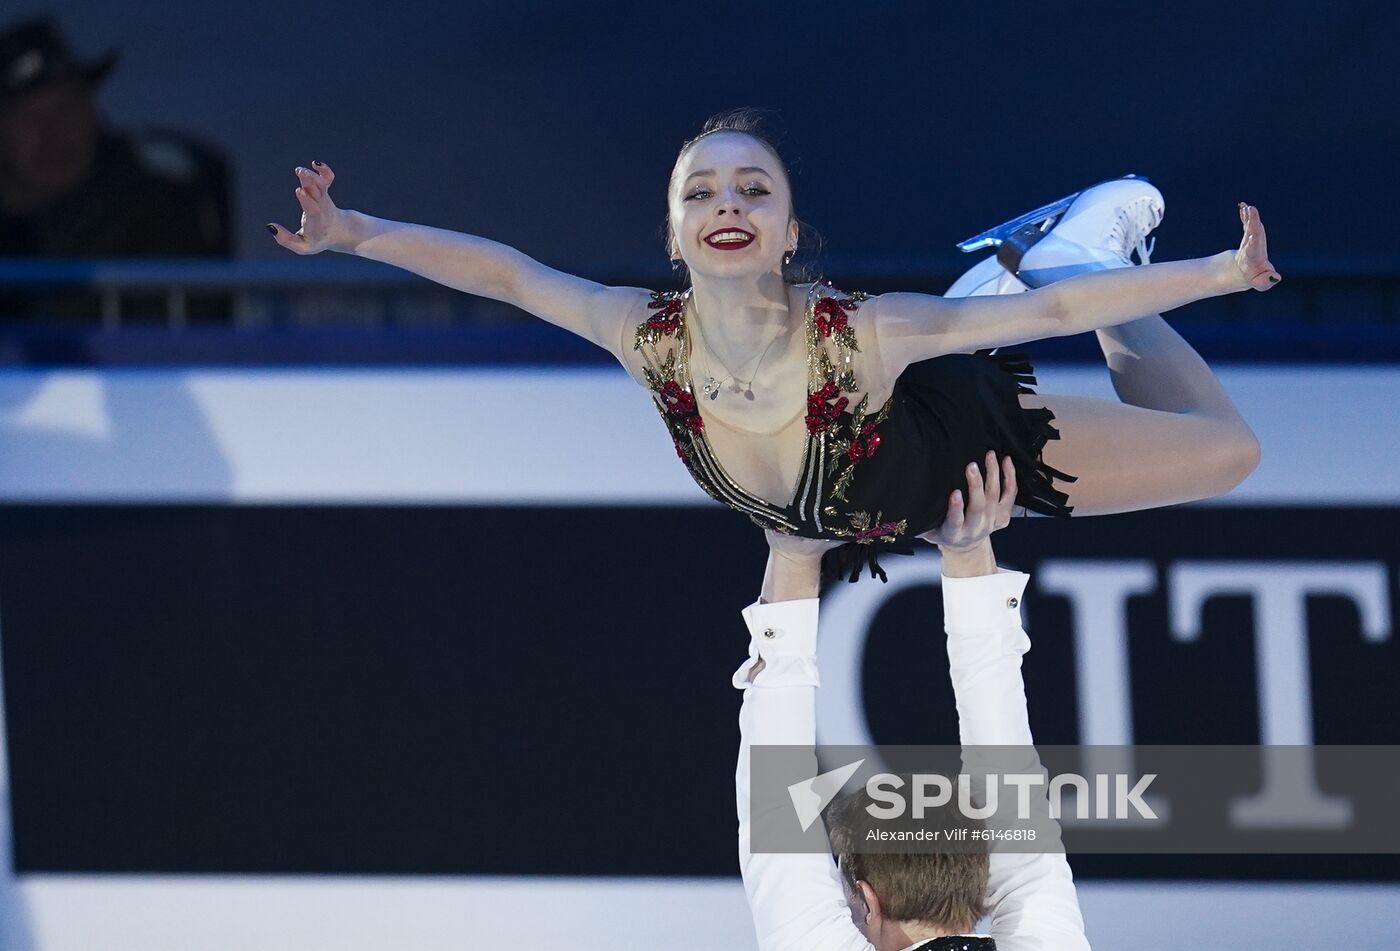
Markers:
35,52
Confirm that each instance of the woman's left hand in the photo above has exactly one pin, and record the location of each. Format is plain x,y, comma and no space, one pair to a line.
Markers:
1253,256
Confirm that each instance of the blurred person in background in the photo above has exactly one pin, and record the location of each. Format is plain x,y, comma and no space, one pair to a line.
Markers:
72,186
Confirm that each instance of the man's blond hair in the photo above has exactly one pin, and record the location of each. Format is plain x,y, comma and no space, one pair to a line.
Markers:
945,888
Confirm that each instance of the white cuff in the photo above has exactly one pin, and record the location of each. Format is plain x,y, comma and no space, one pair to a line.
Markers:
784,635
985,602
982,617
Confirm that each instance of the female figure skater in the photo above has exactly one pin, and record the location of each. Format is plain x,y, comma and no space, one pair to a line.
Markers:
848,417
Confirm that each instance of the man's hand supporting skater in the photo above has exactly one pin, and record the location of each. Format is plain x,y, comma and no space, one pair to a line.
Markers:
800,900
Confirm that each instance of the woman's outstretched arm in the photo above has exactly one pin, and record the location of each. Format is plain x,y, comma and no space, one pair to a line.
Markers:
913,327
464,262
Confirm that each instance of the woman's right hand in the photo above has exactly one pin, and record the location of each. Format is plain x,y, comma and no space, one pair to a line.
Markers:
323,225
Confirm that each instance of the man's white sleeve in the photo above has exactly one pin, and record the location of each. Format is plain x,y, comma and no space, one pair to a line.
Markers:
796,900
1034,904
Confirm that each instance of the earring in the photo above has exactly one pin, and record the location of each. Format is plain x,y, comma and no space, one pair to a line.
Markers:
787,258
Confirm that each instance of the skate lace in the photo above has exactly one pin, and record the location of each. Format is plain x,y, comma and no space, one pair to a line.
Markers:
1131,227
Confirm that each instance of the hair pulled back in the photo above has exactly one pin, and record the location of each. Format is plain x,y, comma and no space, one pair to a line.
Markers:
752,122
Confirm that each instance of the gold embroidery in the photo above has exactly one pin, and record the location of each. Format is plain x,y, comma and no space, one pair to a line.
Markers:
663,323
831,450
673,393
866,530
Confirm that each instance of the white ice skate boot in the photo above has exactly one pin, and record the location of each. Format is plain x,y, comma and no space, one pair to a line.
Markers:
985,278
1100,227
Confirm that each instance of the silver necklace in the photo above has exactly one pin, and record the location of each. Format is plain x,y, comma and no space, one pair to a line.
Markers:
713,386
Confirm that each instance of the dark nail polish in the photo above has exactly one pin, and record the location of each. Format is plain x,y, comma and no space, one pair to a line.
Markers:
315,163
1273,278
272,228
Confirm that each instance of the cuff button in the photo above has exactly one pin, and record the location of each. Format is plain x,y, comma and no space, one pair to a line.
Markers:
771,633
1013,603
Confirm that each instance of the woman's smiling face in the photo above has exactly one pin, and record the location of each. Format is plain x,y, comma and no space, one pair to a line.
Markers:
730,207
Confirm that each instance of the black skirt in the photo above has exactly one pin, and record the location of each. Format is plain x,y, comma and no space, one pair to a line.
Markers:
944,413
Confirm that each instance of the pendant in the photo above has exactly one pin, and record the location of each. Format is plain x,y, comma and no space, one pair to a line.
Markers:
748,393
711,387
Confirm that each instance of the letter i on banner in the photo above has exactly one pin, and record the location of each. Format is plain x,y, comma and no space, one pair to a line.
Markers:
1098,593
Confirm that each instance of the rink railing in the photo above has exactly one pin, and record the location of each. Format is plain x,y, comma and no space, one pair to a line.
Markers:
1347,309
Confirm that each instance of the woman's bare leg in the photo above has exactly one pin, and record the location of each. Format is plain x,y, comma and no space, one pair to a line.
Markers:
1176,437
1153,367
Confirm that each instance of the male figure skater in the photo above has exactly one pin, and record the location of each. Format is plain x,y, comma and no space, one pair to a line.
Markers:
902,902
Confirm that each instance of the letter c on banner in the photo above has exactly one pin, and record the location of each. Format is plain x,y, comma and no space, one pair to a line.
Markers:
846,615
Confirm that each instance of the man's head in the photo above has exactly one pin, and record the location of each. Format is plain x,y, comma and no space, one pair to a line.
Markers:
49,124
900,897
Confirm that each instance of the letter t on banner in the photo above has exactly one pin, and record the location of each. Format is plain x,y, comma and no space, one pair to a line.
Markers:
1290,797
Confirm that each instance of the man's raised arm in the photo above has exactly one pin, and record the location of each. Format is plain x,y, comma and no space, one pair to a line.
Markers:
1033,903
796,900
